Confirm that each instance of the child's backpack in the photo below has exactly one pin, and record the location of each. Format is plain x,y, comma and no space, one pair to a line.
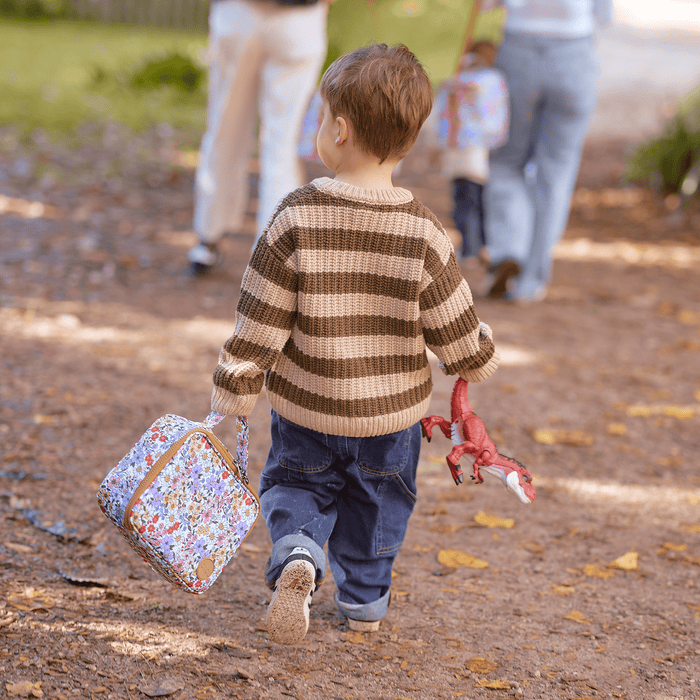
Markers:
472,109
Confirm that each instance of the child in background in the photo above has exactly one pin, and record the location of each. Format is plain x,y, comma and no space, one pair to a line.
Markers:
470,118
350,283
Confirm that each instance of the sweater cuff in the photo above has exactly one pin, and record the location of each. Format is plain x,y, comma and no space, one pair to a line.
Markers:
481,373
229,404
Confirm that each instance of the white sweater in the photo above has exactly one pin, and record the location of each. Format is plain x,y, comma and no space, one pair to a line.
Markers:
565,18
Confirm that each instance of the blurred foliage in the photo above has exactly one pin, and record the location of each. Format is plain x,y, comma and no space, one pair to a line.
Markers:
56,74
433,29
175,69
670,161
32,9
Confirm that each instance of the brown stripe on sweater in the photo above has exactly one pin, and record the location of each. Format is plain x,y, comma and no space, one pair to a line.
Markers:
358,325
349,408
475,361
242,385
268,265
440,289
247,351
464,324
258,310
358,283
333,238
354,368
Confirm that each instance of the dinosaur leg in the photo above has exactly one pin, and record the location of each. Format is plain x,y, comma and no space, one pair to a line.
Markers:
429,422
453,460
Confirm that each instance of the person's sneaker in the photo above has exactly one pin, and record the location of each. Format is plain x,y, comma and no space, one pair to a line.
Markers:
288,613
514,476
202,258
497,279
363,625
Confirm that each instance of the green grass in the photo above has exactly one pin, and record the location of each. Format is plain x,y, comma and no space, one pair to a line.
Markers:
48,68
47,74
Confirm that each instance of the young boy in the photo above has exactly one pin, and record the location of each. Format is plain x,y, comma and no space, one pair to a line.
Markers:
350,282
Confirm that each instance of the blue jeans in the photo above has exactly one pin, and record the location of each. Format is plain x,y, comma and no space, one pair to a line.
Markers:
468,215
356,494
552,84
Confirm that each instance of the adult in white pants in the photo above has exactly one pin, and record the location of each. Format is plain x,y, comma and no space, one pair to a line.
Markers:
549,58
266,59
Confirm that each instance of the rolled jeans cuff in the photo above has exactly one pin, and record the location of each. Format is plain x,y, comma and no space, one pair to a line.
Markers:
283,548
367,612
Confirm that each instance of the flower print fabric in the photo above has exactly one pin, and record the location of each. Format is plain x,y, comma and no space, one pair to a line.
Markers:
195,509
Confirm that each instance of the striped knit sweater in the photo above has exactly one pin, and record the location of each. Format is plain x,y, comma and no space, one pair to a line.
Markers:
341,296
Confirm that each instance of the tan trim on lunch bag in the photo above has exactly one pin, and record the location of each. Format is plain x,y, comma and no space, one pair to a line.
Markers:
167,456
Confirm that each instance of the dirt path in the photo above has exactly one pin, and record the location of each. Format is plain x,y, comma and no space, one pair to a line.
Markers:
598,393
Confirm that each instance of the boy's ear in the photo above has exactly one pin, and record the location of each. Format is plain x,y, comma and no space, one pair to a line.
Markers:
342,129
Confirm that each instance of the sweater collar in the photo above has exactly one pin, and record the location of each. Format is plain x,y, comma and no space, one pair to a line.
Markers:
395,195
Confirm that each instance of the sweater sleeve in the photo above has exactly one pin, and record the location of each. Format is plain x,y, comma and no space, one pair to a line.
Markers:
264,320
451,327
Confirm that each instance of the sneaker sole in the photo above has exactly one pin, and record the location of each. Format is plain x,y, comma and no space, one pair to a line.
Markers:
363,625
288,617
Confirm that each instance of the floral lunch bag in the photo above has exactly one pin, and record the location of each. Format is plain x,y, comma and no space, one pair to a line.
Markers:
181,500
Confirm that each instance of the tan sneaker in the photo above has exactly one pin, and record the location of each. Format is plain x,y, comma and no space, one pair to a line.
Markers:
288,613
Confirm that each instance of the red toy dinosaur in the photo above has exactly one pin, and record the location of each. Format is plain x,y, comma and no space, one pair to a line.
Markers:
468,434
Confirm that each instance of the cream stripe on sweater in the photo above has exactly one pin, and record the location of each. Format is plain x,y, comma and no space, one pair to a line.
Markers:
344,292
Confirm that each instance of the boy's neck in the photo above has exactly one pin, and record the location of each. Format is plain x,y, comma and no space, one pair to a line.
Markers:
367,174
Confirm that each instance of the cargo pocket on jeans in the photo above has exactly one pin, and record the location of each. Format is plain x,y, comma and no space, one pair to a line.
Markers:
396,505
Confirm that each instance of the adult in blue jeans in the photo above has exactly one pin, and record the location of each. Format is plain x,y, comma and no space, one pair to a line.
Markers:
549,58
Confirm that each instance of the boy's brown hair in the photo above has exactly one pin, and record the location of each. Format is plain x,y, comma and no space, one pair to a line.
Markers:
384,93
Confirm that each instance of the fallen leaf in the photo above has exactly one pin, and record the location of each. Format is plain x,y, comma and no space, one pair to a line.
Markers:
673,547
627,562
577,616
574,438
617,429
692,528
19,548
453,558
679,412
594,571
25,689
492,521
478,664
493,685
562,590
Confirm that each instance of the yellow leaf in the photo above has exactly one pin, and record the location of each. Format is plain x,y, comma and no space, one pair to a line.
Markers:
545,437
577,616
563,590
679,412
594,571
478,664
453,558
696,396
575,438
643,411
687,317
627,562
617,429
692,528
40,419
492,521
672,547
493,685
